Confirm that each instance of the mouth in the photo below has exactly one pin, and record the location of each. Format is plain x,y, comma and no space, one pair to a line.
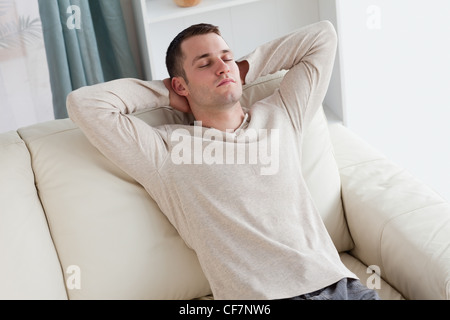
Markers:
225,81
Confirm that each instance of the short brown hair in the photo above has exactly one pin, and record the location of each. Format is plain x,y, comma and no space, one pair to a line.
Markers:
175,57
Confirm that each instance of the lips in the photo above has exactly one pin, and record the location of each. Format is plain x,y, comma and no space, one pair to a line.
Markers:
225,82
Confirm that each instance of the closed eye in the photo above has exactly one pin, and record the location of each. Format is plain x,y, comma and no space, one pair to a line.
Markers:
206,64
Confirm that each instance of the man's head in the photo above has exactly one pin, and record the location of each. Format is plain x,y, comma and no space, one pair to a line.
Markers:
203,70
175,57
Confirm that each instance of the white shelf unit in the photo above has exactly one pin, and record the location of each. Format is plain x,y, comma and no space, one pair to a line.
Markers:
244,24
161,10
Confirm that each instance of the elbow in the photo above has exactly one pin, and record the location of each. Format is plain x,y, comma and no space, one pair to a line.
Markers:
71,104
329,32
327,37
74,102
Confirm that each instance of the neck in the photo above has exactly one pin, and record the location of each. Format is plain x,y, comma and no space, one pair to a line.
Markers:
223,120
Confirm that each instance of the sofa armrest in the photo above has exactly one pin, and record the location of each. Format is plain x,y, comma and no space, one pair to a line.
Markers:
397,222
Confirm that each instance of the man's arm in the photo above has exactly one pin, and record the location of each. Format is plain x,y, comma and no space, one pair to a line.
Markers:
309,55
103,112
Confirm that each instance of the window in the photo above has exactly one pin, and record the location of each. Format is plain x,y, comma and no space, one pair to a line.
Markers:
25,92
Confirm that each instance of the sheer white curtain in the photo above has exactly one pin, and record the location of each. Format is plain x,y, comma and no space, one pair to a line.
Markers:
25,93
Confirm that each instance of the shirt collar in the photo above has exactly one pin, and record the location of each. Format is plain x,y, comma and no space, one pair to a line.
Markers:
243,125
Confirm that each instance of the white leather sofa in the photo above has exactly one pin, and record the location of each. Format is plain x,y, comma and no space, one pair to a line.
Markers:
74,226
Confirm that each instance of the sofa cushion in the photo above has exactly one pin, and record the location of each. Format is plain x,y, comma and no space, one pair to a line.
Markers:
369,278
29,267
105,225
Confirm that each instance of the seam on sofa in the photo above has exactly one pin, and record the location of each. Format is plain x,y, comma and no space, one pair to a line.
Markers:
408,212
344,213
12,143
360,163
380,255
47,135
43,208
447,293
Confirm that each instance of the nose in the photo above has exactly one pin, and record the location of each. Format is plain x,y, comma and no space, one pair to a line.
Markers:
222,67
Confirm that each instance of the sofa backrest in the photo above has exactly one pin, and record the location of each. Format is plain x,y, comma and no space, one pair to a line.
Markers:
112,240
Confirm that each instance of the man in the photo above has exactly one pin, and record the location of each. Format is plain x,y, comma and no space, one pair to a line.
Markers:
254,238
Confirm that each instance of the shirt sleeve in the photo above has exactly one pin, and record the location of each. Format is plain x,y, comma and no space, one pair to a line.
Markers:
308,54
104,114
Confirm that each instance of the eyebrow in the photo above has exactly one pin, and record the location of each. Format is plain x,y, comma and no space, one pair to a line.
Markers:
206,55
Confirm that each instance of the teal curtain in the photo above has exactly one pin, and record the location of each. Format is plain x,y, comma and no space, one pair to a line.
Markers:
86,43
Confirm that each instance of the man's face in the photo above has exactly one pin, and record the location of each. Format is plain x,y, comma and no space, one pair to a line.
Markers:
213,79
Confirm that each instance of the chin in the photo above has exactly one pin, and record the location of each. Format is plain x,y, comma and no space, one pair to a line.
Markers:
234,97
231,101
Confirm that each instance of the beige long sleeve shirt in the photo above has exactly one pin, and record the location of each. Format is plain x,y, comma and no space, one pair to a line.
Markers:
238,199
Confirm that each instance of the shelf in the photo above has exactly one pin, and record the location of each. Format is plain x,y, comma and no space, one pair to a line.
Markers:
162,10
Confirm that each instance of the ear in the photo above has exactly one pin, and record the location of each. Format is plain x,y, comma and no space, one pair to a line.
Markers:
179,86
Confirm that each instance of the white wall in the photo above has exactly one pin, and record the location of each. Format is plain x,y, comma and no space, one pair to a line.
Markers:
395,73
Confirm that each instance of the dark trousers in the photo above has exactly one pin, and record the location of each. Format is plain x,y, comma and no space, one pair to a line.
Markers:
345,289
